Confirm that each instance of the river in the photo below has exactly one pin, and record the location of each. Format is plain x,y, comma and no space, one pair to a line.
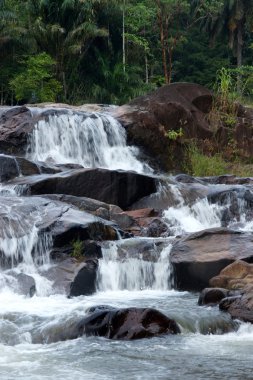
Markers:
211,345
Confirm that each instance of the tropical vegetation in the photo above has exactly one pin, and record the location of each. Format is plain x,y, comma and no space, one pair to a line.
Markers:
110,51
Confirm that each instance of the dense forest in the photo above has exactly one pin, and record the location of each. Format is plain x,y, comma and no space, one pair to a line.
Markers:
109,51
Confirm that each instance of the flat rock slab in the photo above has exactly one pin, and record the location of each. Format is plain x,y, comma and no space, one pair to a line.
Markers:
110,186
200,256
25,219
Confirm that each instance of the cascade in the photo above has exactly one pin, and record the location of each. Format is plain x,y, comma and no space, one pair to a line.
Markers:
132,273
90,140
22,248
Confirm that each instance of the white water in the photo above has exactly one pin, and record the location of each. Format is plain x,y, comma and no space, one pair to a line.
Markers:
22,249
184,218
90,140
133,274
126,282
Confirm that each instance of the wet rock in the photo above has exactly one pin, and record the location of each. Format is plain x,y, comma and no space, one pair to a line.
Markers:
240,307
15,125
57,223
127,324
185,178
85,281
148,119
213,296
23,284
8,168
157,228
109,186
200,256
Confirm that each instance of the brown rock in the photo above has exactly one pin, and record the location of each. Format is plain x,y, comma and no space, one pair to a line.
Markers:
200,256
235,276
171,107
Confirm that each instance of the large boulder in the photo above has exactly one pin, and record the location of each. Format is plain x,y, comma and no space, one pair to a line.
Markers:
237,279
127,324
40,224
15,125
200,256
110,323
172,107
111,186
235,276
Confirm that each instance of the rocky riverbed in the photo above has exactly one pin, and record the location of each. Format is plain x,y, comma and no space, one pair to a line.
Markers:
96,243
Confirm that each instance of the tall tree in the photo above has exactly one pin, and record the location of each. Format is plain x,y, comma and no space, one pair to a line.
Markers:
229,17
171,15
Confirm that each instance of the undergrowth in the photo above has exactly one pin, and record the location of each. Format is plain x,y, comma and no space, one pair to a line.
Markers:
202,165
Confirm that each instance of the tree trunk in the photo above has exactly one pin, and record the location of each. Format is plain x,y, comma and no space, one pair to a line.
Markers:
146,68
163,41
239,56
123,38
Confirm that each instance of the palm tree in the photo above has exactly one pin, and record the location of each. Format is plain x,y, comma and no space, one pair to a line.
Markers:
64,29
228,17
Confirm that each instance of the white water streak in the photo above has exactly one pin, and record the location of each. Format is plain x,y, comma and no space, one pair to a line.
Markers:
90,140
133,273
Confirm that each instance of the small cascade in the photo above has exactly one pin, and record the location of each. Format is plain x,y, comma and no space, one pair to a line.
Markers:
131,274
23,250
90,140
200,215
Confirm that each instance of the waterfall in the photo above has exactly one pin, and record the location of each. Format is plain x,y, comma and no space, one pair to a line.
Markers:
23,250
90,140
131,273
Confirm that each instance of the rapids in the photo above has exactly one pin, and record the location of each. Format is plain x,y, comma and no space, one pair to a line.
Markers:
30,327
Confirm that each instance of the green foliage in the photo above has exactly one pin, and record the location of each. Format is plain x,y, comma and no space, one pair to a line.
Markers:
174,135
85,41
77,249
36,82
224,110
202,165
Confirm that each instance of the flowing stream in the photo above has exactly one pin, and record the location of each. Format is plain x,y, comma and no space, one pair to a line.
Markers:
126,278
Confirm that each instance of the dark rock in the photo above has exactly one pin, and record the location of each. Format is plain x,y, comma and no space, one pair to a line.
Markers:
171,107
114,187
127,324
56,221
157,228
85,281
15,125
240,307
8,168
213,296
27,167
200,256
